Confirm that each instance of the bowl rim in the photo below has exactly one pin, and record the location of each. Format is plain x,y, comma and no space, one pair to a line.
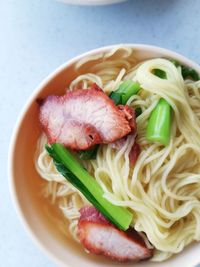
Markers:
13,191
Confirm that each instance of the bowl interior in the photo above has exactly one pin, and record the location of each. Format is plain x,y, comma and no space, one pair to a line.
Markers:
38,214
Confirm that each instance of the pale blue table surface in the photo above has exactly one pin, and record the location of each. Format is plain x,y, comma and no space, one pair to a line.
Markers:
36,36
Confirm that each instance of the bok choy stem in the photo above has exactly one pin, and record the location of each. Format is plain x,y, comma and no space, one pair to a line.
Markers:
74,172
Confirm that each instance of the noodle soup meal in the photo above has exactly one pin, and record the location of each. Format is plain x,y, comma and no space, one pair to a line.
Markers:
120,154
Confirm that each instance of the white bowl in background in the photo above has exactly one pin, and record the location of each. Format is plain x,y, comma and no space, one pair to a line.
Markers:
92,2
25,183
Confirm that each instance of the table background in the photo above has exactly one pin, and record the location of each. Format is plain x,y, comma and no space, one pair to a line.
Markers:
36,36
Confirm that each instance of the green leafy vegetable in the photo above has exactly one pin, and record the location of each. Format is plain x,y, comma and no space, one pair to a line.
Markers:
74,172
160,73
124,92
138,112
159,124
187,72
175,62
88,154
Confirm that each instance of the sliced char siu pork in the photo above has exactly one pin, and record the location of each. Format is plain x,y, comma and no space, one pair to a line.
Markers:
81,119
99,236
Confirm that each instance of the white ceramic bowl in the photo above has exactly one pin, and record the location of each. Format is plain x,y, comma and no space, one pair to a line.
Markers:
92,2
25,184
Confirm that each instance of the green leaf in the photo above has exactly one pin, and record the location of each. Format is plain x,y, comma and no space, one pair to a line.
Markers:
88,154
74,172
160,73
187,72
138,112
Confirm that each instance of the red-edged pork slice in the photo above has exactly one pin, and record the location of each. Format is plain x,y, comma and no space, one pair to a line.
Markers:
81,119
129,114
101,237
134,153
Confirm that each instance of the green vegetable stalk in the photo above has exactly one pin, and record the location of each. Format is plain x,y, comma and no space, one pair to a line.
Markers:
74,172
159,124
124,92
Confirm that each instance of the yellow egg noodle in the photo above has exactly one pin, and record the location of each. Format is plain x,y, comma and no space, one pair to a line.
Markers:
163,188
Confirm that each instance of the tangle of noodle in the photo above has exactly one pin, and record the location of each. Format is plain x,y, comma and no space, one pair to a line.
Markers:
163,188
